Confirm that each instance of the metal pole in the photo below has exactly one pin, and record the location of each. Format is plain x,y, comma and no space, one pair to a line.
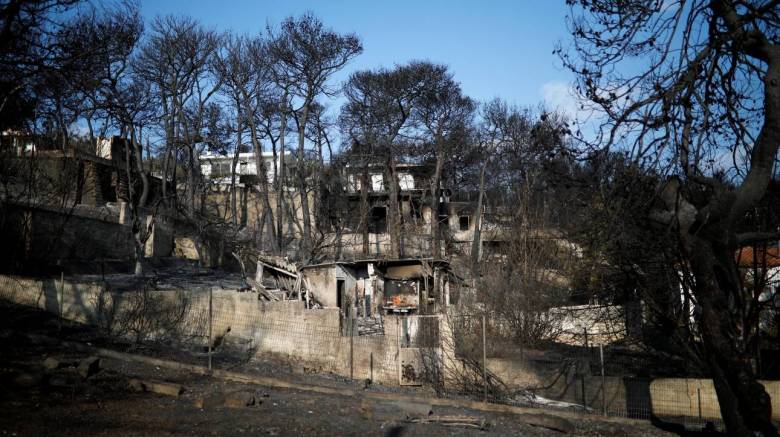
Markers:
211,293
698,395
603,393
62,297
484,360
398,347
351,348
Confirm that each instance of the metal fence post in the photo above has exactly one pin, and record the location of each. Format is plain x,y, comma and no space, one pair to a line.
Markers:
603,385
62,298
484,359
398,347
698,397
211,292
585,333
351,348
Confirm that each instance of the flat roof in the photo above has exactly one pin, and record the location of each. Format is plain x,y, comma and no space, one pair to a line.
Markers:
378,261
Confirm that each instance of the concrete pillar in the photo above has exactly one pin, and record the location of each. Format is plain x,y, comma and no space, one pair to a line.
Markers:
124,213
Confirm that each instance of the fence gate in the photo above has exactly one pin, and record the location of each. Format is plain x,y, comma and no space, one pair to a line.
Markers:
418,348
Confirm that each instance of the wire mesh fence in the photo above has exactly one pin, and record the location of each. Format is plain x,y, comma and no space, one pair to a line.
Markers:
474,356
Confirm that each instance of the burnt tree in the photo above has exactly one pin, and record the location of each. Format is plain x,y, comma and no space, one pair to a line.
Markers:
692,89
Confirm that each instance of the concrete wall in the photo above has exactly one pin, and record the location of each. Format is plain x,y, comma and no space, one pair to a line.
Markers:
208,250
250,206
679,396
322,280
305,339
39,235
624,396
604,324
413,244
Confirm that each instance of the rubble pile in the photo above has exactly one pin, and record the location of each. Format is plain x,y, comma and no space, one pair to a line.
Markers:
371,325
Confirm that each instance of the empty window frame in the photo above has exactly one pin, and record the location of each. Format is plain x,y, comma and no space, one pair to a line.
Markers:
463,222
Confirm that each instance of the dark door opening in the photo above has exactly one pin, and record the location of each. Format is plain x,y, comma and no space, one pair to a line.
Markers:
378,220
340,293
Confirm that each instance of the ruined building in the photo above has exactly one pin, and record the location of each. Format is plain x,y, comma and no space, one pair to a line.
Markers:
68,207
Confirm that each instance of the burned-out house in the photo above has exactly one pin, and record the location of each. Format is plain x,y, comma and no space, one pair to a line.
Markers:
413,190
68,206
375,287
459,225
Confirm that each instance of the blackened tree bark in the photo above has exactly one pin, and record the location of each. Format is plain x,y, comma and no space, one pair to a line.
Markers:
280,178
364,209
394,207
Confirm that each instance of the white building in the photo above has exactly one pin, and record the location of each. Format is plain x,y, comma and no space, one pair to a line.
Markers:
217,168
405,173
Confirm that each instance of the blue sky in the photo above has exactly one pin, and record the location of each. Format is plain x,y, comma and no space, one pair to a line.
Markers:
494,48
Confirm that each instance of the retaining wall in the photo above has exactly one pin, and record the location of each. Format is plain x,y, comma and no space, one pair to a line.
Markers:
308,339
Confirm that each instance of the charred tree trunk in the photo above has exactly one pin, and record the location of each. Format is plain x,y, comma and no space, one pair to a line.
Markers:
267,218
364,209
142,200
280,179
138,227
301,166
434,204
744,404
394,210
234,164
476,244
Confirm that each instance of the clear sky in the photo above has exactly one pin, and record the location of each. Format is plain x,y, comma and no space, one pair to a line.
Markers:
494,48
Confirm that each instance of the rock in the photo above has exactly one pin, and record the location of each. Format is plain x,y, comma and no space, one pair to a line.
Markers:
51,363
136,385
414,408
239,399
89,366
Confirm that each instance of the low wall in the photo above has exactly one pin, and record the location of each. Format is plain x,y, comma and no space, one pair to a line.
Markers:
623,396
604,324
309,339
39,236
697,397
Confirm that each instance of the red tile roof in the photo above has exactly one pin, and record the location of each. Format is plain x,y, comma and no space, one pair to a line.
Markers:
746,256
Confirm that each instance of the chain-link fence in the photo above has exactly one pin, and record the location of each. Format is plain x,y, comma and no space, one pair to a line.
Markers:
476,356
